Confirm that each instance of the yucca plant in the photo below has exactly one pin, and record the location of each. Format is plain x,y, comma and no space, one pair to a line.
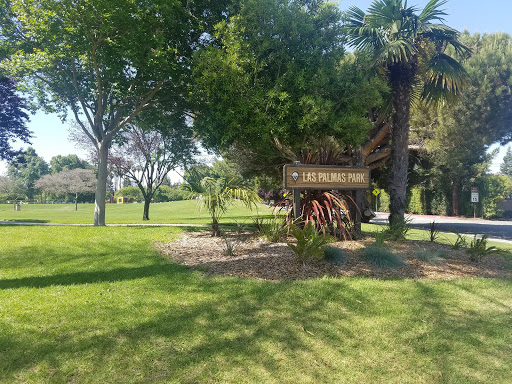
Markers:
327,210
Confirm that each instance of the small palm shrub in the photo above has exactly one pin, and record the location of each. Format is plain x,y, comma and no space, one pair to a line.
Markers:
460,242
397,230
217,194
382,257
310,242
272,229
233,242
478,249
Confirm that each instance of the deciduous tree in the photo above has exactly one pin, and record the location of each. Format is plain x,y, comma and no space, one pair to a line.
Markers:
146,157
107,61
73,181
60,163
278,74
27,168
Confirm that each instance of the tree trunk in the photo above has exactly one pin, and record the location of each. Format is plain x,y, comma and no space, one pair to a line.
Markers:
101,186
401,77
76,201
359,162
215,228
145,215
455,199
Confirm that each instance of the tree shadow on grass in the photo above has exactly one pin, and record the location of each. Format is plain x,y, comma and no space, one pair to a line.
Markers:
76,278
450,324
228,326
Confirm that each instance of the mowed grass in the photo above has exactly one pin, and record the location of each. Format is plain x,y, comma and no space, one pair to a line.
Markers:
177,212
99,305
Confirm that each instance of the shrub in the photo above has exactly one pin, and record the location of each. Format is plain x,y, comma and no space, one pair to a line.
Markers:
233,242
335,255
438,203
273,229
415,204
327,210
133,193
494,188
397,230
310,242
380,238
384,200
478,249
382,257
460,242
428,255
165,193
433,232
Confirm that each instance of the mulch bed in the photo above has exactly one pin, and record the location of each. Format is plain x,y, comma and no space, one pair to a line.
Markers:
256,258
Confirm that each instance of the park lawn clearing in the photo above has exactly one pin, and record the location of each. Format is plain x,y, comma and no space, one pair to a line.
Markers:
91,305
176,212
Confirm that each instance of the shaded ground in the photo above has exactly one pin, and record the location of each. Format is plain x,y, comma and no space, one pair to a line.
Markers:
259,259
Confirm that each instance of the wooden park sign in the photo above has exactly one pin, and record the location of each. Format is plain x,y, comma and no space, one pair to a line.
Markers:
327,177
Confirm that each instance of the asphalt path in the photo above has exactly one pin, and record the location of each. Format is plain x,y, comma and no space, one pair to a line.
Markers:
494,229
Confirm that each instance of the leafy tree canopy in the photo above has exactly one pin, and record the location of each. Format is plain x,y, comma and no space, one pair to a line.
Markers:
506,165
107,61
13,119
278,73
457,136
27,168
60,163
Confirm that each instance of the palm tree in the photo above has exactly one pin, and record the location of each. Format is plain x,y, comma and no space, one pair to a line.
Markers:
411,49
217,194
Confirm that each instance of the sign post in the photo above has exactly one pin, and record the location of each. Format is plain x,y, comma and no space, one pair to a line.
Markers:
376,193
474,199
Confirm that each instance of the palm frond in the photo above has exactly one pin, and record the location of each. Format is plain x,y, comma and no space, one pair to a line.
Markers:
442,35
359,33
397,51
432,12
445,77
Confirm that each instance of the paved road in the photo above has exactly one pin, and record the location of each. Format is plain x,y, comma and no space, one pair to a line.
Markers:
500,230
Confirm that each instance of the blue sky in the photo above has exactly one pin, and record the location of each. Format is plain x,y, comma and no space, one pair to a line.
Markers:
51,135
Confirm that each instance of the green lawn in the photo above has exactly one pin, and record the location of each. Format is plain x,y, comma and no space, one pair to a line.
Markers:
99,305
175,212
